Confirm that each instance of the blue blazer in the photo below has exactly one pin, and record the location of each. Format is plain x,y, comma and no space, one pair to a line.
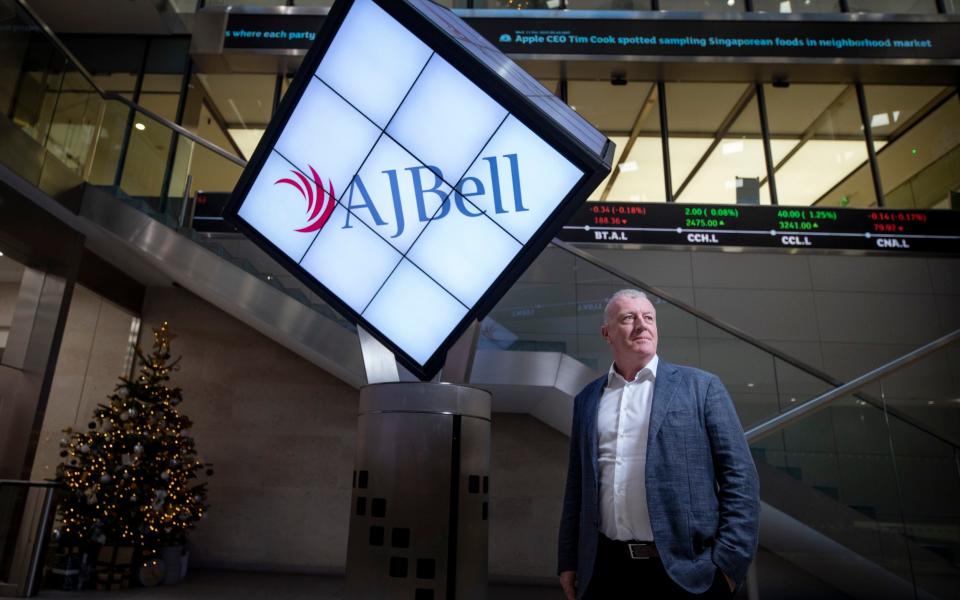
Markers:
702,486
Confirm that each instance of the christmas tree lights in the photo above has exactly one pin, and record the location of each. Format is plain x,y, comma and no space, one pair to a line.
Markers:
132,478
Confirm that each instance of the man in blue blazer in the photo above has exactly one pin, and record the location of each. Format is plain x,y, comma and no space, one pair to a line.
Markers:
662,496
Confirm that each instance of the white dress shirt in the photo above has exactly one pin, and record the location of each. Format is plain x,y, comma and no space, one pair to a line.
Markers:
623,423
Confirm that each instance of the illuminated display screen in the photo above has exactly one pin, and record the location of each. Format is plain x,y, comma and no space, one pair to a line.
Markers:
767,227
410,176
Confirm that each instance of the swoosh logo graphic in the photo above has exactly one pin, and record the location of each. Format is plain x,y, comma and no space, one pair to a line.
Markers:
320,202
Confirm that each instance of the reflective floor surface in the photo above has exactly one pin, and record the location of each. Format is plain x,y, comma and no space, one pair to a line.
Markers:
234,585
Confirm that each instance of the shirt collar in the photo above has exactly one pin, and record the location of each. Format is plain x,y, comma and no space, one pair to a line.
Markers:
649,371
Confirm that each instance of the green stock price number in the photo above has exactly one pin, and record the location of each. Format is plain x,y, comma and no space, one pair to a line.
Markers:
709,217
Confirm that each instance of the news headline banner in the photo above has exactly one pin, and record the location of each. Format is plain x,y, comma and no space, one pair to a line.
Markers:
839,39
767,38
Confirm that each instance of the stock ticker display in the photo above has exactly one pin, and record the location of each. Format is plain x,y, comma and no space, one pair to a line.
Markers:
766,227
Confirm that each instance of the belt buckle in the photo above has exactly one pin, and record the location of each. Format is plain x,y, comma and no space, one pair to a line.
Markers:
638,551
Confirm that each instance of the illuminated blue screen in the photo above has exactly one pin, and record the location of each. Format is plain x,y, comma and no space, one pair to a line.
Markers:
400,185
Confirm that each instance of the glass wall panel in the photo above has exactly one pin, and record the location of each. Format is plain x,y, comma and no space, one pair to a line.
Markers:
73,126
640,178
796,6
245,103
735,169
148,149
211,172
920,129
13,53
610,108
699,117
37,89
819,149
952,6
893,6
702,5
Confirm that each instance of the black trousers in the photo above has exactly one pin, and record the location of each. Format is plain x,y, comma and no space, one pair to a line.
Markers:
616,576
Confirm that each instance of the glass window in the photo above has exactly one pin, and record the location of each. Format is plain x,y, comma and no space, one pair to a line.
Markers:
919,128
819,149
796,6
735,170
610,108
639,177
246,104
893,6
702,5
952,6
714,137
148,150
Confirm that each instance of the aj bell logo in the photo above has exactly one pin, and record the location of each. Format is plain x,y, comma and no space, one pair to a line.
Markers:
320,204
316,198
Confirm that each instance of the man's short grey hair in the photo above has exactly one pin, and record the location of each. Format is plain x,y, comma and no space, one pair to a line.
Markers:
630,293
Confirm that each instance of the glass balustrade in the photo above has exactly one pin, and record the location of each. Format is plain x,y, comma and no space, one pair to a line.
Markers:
863,473
557,305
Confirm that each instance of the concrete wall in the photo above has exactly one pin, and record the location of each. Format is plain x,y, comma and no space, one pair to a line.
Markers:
280,432
94,353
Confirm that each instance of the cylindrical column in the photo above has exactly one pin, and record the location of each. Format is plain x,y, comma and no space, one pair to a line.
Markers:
418,520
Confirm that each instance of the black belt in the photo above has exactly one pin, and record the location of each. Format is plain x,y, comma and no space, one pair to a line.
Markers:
632,549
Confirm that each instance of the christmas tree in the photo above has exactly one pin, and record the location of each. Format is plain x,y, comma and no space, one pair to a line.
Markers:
132,478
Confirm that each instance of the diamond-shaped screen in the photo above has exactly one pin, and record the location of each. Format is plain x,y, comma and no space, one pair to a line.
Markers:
402,190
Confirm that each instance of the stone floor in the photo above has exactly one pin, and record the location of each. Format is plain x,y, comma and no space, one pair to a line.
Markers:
232,585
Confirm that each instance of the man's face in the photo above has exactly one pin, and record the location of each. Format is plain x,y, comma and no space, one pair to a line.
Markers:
631,330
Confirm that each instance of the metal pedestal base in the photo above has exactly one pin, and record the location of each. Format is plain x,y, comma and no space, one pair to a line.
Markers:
418,524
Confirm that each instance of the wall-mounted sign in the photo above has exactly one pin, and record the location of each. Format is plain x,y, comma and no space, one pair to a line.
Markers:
801,227
412,173
652,34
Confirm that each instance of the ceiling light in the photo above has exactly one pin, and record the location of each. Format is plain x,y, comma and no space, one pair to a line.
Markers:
751,384
880,120
1,253
793,399
732,147
628,166
140,126
931,402
731,2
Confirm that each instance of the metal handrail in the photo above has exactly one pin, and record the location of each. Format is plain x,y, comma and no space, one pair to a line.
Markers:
129,103
791,416
31,536
745,337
